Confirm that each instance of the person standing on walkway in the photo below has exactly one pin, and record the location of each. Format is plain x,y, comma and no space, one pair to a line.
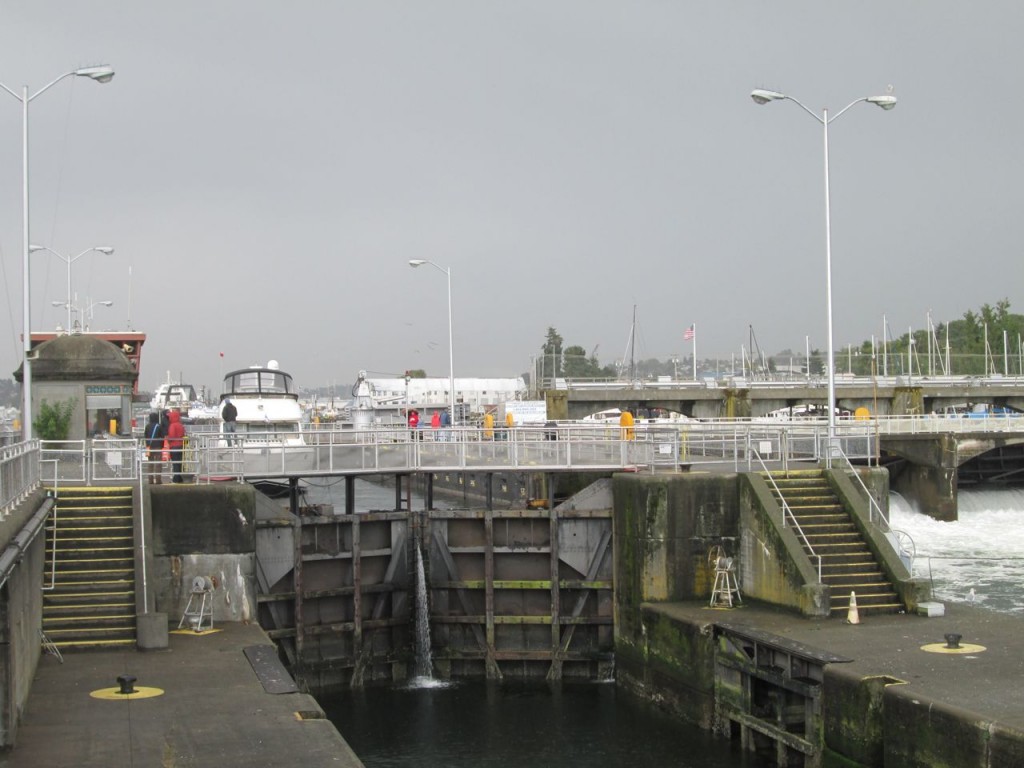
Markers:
414,423
435,422
154,448
446,423
229,413
175,443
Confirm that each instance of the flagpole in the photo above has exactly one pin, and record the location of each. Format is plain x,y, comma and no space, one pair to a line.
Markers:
693,328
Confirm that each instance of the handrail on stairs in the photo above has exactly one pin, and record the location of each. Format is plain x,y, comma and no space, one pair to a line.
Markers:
787,512
873,506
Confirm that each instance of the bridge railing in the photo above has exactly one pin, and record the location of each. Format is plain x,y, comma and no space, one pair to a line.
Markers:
549,447
19,474
934,423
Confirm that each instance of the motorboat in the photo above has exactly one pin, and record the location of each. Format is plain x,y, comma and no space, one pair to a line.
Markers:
268,428
173,395
183,397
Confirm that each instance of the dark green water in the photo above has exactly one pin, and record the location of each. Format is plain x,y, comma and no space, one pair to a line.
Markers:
477,725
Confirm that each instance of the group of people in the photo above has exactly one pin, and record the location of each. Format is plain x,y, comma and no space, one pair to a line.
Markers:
438,420
165,441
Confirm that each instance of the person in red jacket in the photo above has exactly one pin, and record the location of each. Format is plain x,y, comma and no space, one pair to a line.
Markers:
175,443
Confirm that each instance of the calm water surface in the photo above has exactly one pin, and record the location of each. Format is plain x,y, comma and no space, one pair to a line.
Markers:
479,725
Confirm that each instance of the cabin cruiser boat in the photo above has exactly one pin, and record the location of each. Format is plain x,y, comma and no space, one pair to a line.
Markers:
268,437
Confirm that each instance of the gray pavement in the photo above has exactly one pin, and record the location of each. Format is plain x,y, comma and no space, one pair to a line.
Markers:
987,683
214,711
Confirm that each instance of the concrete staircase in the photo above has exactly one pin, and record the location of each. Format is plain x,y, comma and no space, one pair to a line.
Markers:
847,563
92,602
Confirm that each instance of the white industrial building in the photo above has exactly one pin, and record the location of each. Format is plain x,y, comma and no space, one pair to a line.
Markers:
476,394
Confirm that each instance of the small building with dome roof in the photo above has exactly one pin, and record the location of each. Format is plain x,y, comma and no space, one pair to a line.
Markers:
95,375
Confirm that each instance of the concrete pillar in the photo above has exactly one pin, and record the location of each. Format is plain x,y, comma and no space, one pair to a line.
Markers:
151,631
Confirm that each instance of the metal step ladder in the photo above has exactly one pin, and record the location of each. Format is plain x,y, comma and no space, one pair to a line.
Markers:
200,606
725,585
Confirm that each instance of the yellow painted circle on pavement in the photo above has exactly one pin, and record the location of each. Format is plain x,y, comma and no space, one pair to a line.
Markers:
942,648
114,694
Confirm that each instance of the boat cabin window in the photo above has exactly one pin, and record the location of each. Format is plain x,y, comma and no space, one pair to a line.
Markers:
259,382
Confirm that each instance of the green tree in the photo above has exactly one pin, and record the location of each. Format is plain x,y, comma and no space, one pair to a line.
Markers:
54,421
551,355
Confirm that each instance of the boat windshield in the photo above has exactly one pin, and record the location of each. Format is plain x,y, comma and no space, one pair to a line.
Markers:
258,382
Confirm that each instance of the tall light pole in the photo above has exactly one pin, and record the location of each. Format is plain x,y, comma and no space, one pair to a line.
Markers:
101,74
69,261
886,102
451,346
88,314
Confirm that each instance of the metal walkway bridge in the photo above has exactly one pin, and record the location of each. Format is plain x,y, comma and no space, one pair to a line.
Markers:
561,447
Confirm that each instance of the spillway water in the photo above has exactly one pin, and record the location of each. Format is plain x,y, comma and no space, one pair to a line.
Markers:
983,550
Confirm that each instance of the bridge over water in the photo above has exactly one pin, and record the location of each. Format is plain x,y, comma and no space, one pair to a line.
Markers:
928,456
750,398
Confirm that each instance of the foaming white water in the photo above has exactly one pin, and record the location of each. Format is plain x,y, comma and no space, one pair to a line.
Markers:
983,550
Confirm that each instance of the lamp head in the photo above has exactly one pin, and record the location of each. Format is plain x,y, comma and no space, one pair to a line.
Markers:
417,262
104,249
107,303
886,102
34,248
102,74
762,96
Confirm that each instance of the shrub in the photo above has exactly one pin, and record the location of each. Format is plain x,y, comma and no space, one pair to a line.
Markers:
53,422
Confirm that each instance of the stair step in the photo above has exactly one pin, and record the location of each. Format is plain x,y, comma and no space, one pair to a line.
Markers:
92,645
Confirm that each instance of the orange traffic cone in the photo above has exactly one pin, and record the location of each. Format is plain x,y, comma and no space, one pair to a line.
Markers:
853,615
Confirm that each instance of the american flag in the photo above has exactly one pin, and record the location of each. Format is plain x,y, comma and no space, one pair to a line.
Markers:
688,334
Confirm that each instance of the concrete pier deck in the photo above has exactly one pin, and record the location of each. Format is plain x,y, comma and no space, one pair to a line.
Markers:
214,710
986,683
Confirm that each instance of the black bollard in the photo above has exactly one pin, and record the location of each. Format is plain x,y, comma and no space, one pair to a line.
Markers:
126,681
952,640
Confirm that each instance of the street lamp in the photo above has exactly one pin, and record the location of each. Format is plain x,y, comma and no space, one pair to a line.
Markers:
88,314
69,261
101,74
887,102
451,347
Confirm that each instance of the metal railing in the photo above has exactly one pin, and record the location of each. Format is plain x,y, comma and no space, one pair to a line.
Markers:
89,461
552,446
875,514
19,474
932,424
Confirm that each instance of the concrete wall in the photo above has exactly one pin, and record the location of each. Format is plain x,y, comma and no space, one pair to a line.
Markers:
664,527
772,564
203,531
881,721
670,663
21,614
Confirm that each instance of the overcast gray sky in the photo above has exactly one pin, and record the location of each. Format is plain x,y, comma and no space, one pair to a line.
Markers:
265,171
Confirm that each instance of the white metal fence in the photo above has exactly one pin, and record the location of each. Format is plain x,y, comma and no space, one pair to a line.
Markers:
551,447
19,474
